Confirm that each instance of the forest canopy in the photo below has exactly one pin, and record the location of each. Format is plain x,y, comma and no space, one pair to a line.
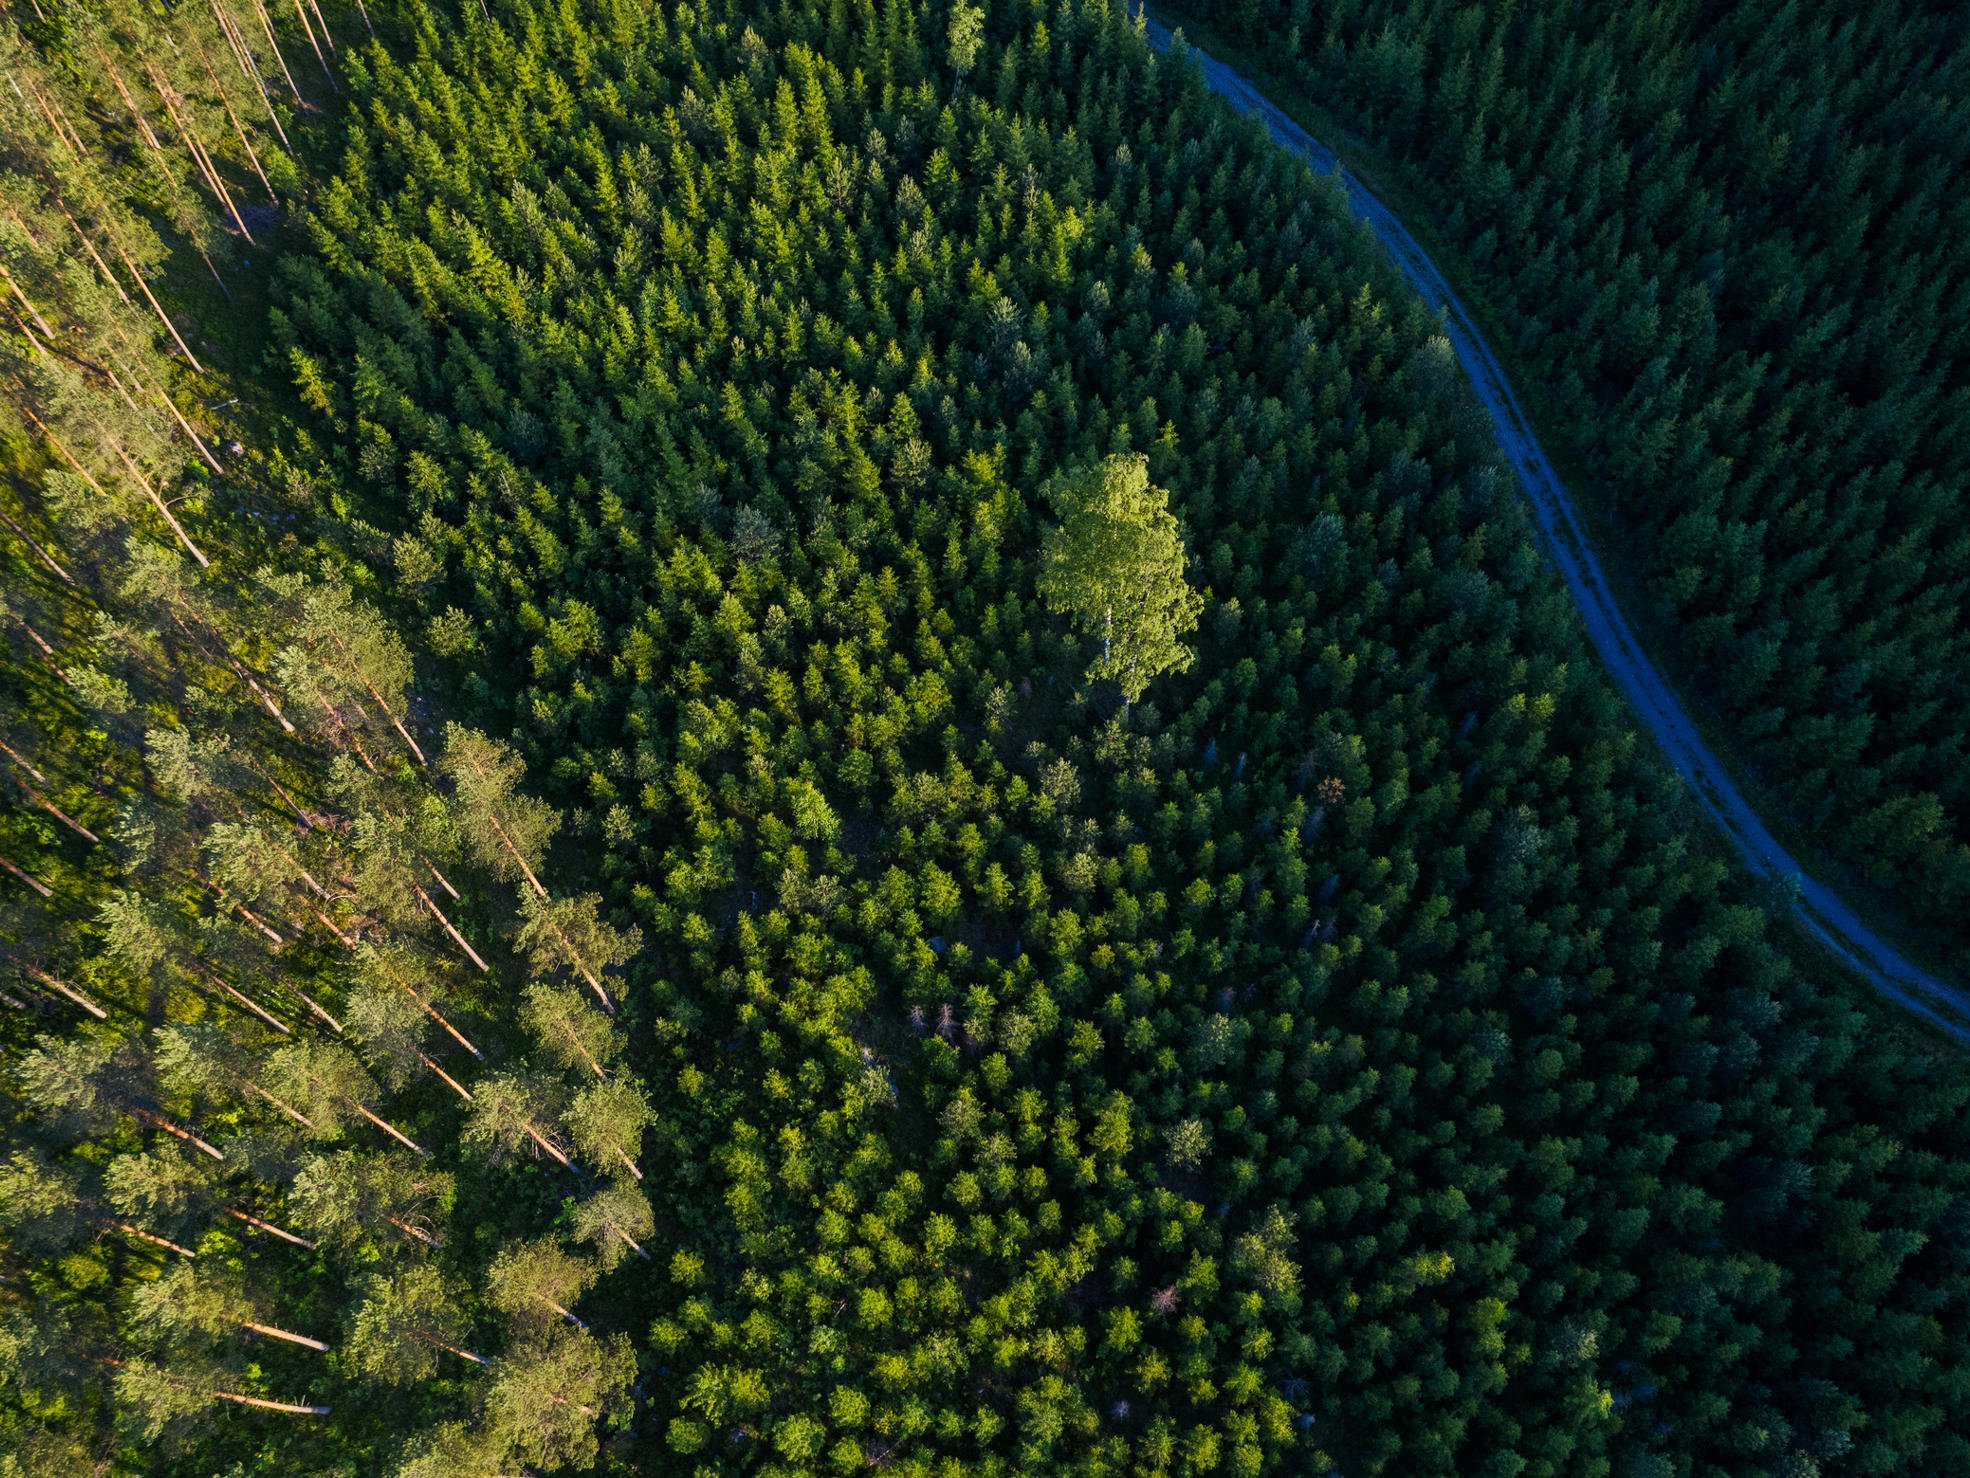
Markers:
1727,246
857,759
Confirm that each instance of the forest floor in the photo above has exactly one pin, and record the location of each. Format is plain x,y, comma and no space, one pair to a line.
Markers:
1821,912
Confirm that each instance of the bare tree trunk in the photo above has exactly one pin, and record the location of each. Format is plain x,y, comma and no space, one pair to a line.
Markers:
273,935
90,247
410,1231
27,332
251,69
157,499
433,1012
514,852
122,391
35,883
280,1103
322,21
340,732
163,508
72,994
307,877
633,1247
549,1146
233,40
631,1164
150,1116
344,732
398,724
255,1401
328,924
197,440
390,1129
270,1405
388,713
172,406
450,1082
315,1006
309,31
239,131
267,1226
65,454
32,311
129,103
442,881
581,969
272,1333
267,23
196,148
457,938
46,558
212,642
280,790
12,753
131,267
42,977
575,1042
241,58
561,1311
456,1035
124,1226
55,811
40,641
56,121
159,159
246,1001
63,128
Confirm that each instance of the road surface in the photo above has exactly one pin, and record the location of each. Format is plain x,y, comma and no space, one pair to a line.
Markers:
1825,916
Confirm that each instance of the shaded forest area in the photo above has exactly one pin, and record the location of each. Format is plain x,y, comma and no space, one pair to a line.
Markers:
1726,245
870,769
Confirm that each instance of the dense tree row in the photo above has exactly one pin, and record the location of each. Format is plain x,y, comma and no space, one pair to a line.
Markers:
1727,244
1130,939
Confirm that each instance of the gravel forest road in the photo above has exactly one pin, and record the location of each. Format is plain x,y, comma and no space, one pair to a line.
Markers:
1835,925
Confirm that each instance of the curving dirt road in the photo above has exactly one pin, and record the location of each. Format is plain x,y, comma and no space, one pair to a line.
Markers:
1825,916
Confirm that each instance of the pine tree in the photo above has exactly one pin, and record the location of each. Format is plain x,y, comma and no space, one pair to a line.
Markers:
539,1280
406,1321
